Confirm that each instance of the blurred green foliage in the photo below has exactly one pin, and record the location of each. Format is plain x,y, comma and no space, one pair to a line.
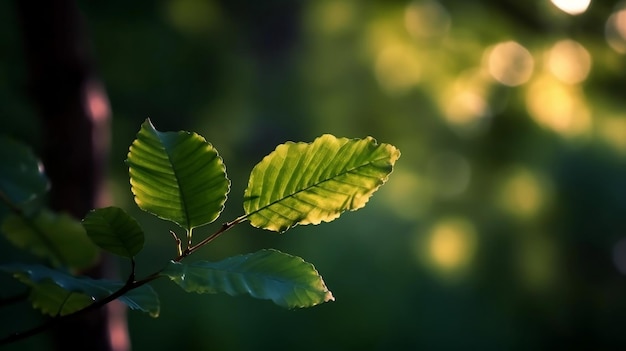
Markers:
503,226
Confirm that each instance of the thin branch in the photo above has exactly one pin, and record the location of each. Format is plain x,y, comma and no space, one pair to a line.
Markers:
131,284
94,306
226,226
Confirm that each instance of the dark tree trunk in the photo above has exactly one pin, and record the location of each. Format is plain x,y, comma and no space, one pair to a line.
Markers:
74,111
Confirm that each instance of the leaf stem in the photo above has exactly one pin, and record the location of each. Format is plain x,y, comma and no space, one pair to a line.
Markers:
226,226
179,244
130,284
189,234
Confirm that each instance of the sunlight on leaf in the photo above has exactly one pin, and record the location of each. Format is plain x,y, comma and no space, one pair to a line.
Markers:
300,183
177,176
287,280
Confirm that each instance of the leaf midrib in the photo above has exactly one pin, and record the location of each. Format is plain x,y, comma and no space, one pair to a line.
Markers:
312,186
183,197
271,277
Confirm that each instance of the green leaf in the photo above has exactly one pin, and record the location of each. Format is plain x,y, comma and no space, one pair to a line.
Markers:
53,300
301,183
143,299
22,178
177,176
115,231
287,280
55,292
58,238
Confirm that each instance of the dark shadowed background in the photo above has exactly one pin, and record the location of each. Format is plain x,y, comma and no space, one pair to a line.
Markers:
503,225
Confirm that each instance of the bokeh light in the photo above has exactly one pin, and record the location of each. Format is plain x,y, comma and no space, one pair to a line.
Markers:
510,63
398,68
331,17
615,31
558,107
426,19
466,110
569,61
449,246
464,105
612,129
522,193
572,7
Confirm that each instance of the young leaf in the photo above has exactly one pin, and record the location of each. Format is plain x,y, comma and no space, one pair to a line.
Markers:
287,280
78,289
177,176
115,231
301,183
58,238
22,177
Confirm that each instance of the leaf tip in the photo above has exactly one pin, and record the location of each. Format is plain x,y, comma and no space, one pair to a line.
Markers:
329,296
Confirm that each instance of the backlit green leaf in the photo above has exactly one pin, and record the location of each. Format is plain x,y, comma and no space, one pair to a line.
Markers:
115,231
300,183
287,280
177,176
55,292
58,238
